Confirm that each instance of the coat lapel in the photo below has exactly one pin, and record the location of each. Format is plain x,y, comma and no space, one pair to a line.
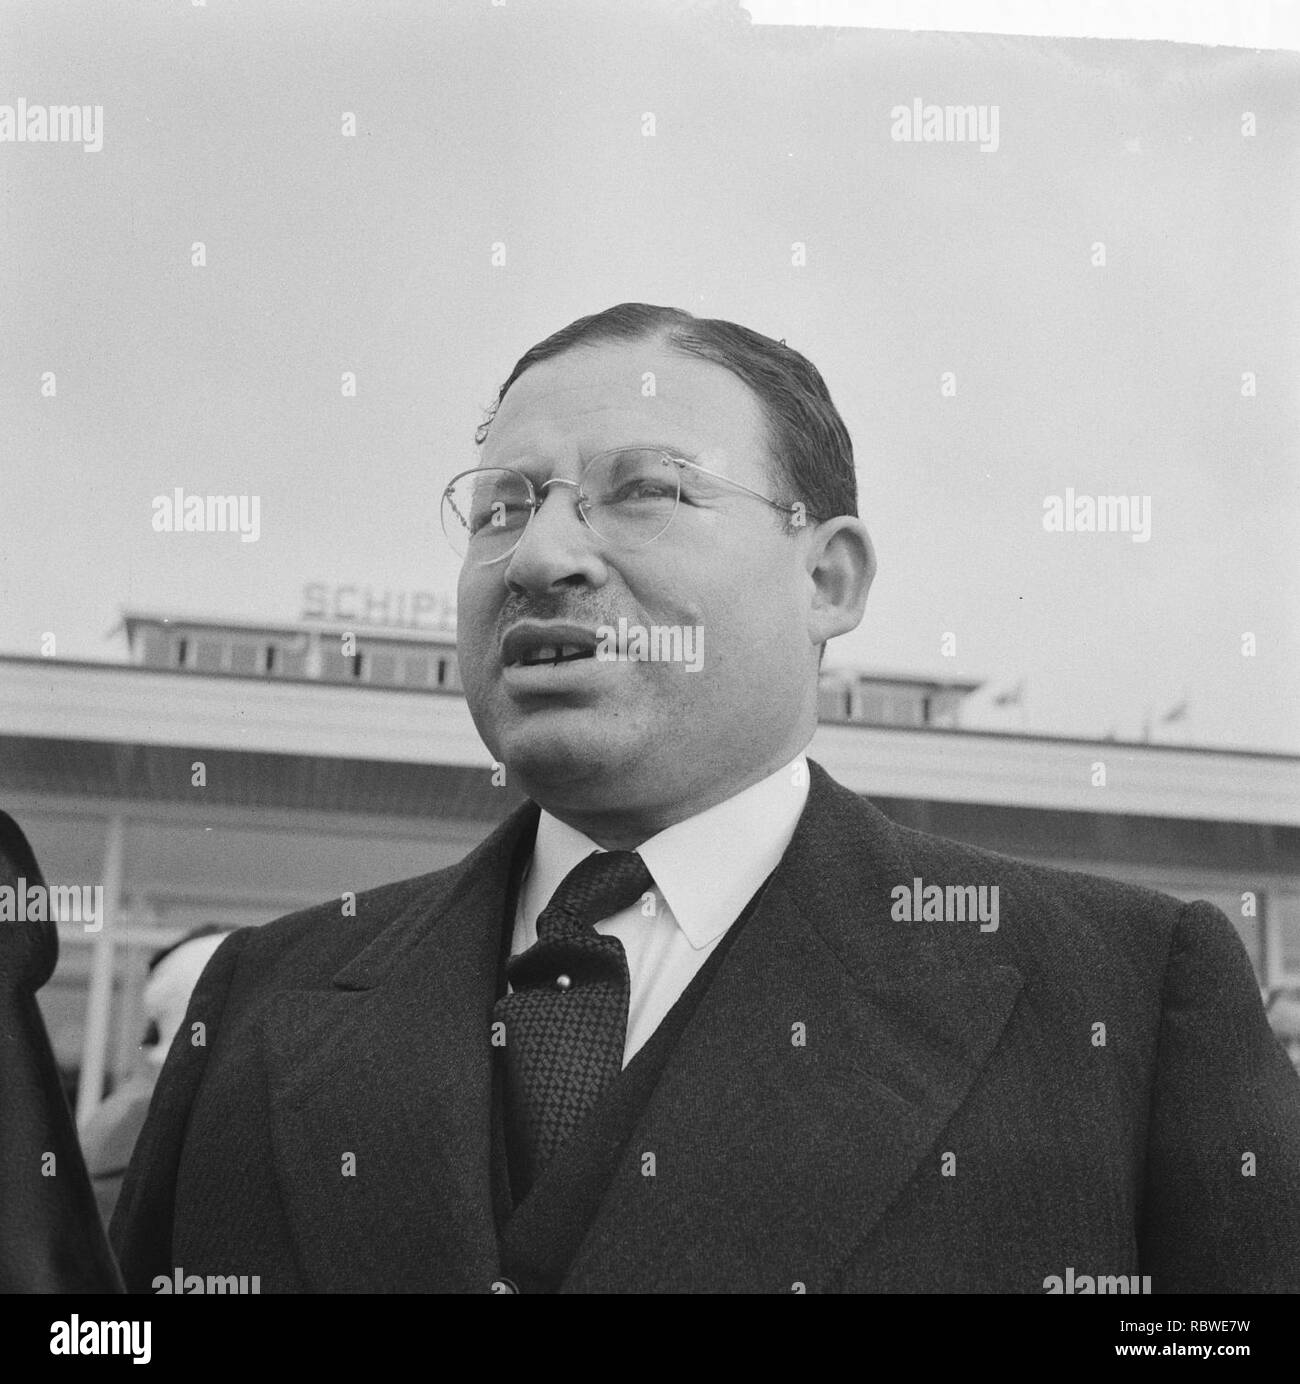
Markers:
773,1161
392,1065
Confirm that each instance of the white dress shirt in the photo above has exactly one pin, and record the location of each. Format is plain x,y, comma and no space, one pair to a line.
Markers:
705,870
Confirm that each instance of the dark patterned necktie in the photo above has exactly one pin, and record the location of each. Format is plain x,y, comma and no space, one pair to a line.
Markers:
566,1018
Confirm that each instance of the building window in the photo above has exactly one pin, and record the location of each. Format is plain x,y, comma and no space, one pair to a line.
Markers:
211,655
182,651
358,665
382,670
270,658
872,709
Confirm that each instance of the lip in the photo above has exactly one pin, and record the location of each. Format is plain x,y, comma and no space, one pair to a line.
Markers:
583,678
527,636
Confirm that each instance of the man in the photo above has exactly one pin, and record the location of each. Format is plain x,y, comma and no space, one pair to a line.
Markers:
109,1136
666,1029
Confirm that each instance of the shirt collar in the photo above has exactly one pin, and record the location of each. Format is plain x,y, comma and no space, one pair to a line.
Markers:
706,867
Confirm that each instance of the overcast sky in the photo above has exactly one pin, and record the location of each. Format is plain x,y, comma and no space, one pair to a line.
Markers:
523,124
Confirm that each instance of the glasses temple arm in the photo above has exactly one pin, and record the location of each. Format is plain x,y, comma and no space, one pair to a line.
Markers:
757,494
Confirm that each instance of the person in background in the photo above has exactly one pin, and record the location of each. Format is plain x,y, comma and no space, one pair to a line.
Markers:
1284,1019
110,1135
51,1240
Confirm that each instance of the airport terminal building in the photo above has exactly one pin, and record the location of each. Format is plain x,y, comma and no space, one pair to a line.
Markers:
233,771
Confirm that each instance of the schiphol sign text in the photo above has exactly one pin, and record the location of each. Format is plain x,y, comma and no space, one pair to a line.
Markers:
364,605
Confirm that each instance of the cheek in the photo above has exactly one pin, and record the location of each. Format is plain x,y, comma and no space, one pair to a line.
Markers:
476,608
750,604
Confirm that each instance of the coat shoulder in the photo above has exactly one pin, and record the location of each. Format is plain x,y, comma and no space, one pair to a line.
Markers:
309,947
1050,914
312,943
1066,888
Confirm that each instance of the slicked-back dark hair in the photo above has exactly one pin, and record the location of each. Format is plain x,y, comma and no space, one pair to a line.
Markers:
811,452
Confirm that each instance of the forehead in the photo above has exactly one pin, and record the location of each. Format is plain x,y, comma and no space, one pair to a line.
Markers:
600,396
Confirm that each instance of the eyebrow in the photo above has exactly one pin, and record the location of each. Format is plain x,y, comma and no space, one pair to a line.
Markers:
532,462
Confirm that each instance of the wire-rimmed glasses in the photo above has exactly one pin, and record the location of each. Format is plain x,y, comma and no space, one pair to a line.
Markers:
627,497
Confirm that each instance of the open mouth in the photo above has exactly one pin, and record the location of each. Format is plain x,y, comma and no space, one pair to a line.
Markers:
539,644
552,654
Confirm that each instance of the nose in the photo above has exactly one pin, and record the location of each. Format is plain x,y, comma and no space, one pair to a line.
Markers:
556,549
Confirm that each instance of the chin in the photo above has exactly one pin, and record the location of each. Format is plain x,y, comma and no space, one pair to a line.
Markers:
567,764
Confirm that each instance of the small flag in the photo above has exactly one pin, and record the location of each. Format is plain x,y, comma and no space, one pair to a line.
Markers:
1012,697
1178,712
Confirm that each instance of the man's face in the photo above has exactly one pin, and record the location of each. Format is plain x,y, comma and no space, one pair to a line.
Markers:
640,737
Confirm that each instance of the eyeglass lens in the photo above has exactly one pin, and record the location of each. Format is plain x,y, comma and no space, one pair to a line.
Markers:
628,498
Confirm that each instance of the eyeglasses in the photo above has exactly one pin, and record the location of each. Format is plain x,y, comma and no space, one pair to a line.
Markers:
627,497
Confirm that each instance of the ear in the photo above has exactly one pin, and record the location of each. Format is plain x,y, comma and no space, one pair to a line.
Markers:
842,565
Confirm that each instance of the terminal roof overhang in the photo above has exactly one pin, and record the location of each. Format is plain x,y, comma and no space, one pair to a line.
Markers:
133,622
92,727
